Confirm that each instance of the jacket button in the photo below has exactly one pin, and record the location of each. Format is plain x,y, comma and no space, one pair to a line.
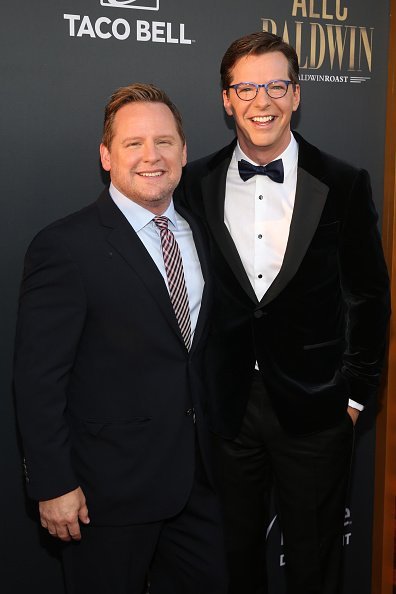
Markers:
258,313
189,412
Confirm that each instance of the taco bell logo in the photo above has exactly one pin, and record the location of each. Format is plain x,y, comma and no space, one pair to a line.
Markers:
106,27
137,4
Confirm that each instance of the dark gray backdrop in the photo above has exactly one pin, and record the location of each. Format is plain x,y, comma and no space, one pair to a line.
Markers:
57,73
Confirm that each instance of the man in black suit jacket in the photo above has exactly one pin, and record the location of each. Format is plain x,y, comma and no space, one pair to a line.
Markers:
301,308
109,374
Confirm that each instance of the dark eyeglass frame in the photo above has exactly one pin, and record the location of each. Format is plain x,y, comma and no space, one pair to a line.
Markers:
264,86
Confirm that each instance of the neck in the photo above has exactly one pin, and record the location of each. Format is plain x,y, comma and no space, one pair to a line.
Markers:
264,154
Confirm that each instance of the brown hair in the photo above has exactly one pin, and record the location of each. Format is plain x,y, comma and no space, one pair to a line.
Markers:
137,92
256,44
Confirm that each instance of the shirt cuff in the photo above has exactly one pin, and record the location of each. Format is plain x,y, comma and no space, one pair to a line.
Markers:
356,405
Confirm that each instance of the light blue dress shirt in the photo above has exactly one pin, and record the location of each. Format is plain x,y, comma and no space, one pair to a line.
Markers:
142,222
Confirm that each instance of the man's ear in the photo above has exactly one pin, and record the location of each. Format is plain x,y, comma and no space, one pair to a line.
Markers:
227,103
296,97
105,157
184,155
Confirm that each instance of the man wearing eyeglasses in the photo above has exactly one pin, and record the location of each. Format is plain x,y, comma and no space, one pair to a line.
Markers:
299,329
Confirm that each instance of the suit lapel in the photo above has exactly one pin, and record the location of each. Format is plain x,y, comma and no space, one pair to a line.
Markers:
311,196
309,202
213,193
125,241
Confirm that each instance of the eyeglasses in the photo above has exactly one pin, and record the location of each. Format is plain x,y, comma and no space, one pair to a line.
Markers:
274,89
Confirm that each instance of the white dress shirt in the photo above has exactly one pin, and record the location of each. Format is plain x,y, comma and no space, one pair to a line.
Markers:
141,220
258,214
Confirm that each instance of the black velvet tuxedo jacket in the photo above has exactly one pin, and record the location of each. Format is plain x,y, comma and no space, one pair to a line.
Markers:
104,384
318,333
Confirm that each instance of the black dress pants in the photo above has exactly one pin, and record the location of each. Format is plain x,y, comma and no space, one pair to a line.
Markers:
183,554
309,475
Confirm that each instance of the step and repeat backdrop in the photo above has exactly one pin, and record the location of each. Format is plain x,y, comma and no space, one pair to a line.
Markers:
59,63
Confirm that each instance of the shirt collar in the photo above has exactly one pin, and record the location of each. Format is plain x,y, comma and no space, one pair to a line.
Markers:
289,155
137,215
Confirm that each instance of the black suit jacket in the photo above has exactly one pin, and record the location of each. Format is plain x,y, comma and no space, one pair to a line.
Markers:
104,384
318,334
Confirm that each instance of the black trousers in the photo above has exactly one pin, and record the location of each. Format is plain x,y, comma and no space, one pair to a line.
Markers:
183,554
309,475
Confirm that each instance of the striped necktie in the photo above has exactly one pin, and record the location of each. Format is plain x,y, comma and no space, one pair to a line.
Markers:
174,271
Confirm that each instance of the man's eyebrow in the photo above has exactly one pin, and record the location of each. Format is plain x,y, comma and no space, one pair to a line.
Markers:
132,138
156,137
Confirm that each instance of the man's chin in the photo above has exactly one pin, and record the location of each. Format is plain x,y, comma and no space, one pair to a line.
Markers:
157,200
154,202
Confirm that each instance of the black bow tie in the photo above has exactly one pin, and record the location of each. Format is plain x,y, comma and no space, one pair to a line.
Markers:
274,170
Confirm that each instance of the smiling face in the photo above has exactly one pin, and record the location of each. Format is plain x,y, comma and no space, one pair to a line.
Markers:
263,124
146,154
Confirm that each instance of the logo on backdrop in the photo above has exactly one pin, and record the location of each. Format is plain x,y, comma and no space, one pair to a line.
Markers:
274,525
123,29
330,47
154,5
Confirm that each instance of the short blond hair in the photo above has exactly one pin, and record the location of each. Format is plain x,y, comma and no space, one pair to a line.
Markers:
137,92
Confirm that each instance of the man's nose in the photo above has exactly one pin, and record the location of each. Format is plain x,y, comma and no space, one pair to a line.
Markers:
150,151
262,98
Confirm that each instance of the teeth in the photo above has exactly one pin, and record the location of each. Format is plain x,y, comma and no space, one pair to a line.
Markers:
151,174
263,119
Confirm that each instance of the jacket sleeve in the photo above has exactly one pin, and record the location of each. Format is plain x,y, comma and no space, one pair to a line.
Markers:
365,286
51,316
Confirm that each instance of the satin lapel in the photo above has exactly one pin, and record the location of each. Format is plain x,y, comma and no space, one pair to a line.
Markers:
202,251
310,199
126,242
213,192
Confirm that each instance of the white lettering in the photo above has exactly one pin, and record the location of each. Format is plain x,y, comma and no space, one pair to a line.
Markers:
155,31
143,31
98,29
182,38
325,78
86,28
105,28
71,18
347,538
169,38
158,32
115,27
